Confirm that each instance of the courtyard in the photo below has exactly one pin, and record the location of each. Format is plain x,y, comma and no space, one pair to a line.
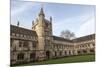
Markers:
70,59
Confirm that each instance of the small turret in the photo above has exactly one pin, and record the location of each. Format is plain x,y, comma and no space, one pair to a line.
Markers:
18,23
32,24
41,12
50,19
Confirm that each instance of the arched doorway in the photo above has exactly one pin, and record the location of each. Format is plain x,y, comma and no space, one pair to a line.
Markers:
47,54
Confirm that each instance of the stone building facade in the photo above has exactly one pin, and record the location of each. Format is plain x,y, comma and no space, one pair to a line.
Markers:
40,44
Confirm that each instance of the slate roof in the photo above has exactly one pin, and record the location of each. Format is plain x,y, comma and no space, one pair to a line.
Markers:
61,39
84,38
80,39
20,30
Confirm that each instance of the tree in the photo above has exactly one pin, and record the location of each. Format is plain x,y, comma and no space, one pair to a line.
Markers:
67,34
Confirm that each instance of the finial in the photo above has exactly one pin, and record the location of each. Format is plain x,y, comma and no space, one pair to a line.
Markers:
33,22
50,19
18,23
41,11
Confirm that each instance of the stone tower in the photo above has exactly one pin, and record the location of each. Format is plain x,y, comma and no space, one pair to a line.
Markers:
43,28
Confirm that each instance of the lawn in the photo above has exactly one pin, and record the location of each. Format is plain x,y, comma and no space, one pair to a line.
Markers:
71,59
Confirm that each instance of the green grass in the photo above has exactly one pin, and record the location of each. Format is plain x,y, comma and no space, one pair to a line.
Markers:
71,59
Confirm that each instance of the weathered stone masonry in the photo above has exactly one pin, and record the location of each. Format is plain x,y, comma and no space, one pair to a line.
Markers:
40,44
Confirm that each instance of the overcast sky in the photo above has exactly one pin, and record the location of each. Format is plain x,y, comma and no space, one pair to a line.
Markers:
79,19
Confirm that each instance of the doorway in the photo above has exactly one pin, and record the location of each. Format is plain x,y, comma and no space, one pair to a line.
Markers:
47,54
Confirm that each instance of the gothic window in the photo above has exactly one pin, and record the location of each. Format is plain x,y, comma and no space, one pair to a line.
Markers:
47,25
33,44
32,56
84,51
55,53
69,52
88,45
65,53
91,50
20,43
93,44
20,56
25,44
78,52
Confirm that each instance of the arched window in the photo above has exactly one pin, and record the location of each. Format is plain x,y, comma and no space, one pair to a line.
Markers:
34,44
65,53
93,44
79,52
84,51
25,44
55,53
20,43
91,50
69,52
20,56
32,56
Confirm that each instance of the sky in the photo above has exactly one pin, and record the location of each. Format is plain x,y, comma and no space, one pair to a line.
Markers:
79,19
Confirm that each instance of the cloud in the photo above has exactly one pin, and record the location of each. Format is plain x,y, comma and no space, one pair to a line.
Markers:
17,7
68,20
86,28
73,24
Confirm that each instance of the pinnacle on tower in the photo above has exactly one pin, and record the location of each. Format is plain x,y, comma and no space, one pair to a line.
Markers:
18,23
41,12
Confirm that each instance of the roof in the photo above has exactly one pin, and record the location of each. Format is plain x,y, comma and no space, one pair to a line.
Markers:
20,30
84,38
61,39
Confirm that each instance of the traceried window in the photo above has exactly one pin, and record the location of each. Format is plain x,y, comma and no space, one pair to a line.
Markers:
32,56
79,52
91,50
65,52
20,43
20,56
25,44
84,51
33,44
93,44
